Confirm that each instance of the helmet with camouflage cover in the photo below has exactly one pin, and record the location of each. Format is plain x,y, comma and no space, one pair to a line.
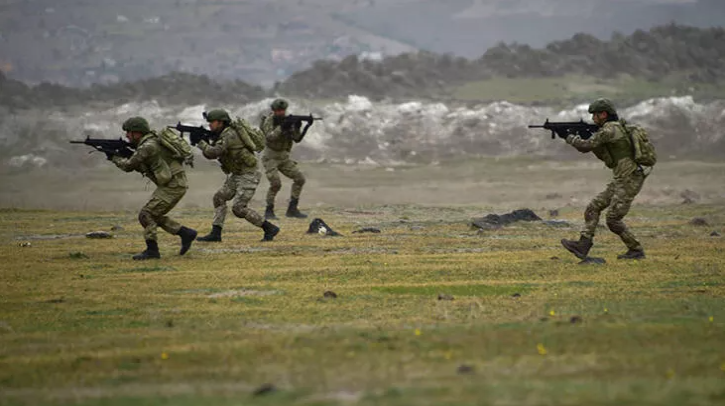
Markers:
600,105
217,115
279,104
136,124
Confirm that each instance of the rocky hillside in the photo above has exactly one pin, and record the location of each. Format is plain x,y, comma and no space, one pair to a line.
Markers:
686,56
174,88
694,54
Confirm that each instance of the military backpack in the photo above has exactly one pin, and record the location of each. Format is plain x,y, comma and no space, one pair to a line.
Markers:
643,152
251,137
177,145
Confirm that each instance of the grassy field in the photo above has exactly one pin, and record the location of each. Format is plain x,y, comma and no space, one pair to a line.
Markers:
80,323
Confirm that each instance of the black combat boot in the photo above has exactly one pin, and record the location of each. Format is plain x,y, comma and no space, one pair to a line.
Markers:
187,237
579,248
151,252
270,230
269,213
214,236
632,254
292,210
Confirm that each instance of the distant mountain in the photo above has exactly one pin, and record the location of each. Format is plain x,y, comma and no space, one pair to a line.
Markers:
82,42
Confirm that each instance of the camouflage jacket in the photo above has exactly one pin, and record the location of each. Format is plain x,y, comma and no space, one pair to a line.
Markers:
276,139
233,155
155,162
610,144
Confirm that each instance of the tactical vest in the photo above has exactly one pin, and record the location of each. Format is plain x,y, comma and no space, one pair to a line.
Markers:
617,153
282,144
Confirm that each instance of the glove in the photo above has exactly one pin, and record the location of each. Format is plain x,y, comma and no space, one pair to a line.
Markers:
570,138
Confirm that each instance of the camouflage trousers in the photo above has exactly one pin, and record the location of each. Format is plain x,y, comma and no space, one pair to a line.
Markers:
153,213
241,188
276,162
618,196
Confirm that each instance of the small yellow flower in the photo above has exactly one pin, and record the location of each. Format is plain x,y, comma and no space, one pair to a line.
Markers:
670,373
449,354
711,319
606,310
418,332
164,355
540,348
552,313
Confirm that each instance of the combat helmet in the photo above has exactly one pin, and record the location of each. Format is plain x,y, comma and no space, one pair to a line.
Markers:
279,104
602,104
136,124
217,115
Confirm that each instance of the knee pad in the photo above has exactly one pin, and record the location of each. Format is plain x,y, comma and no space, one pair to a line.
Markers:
240,211
591,212
218,200
616,225
275,185
299,181
145,218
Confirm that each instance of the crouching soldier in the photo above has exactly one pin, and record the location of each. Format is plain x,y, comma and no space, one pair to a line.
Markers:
240,165
155,162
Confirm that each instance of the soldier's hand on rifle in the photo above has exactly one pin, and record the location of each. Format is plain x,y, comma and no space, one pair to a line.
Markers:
194,138
562,133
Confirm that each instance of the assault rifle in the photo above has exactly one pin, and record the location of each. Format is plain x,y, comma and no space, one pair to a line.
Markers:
292,120
563,129
118,147
196,134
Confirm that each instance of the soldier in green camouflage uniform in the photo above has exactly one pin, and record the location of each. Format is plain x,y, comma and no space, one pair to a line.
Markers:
276,159
240,165
155,162
612,145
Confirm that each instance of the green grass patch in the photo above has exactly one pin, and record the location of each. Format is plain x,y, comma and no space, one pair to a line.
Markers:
212,326
456,290
148,269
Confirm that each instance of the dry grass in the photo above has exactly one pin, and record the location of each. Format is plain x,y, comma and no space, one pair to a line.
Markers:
80,323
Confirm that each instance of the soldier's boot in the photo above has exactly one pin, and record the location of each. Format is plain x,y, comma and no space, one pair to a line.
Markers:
269,213
632,254
293,211
270,230
187,237
151,252
579,248
214,236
